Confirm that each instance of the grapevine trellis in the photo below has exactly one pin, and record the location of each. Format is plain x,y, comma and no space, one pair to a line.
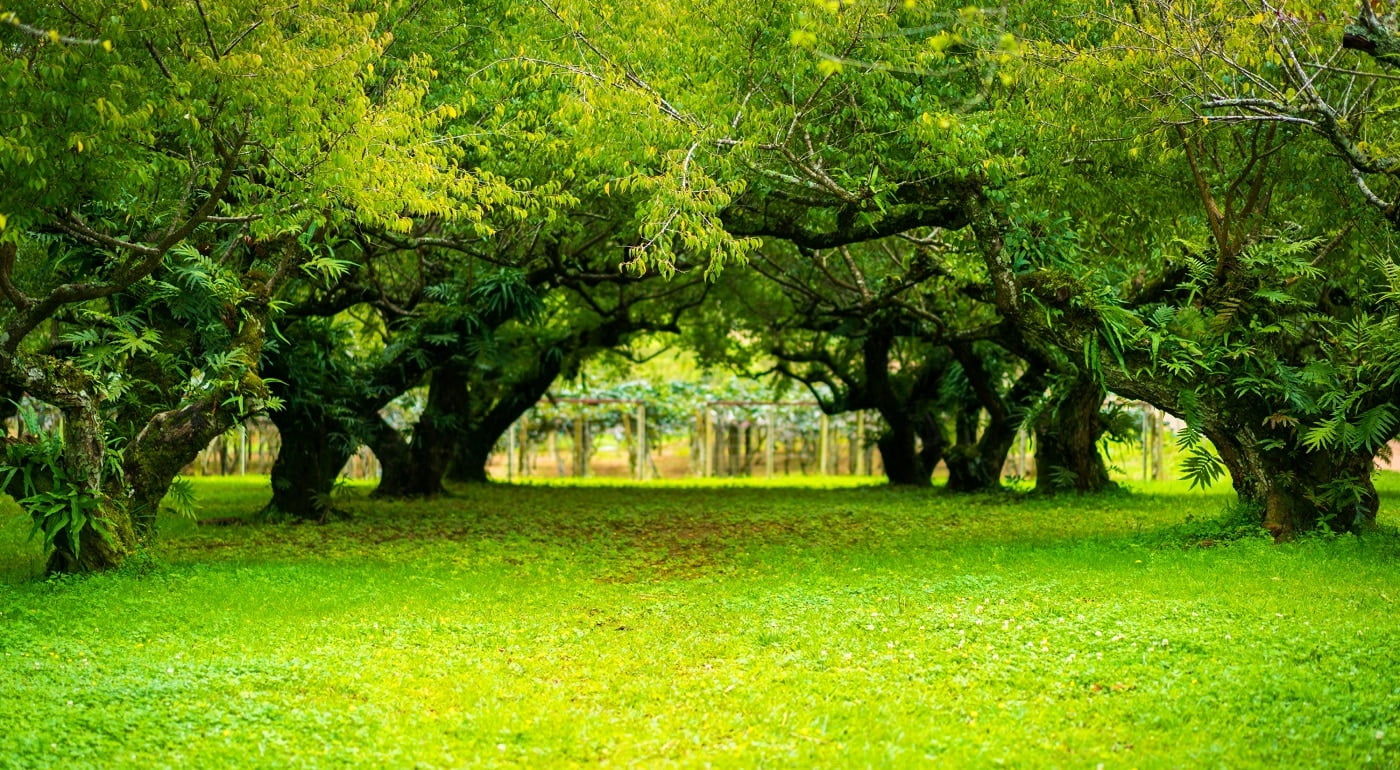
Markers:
716,438
665,435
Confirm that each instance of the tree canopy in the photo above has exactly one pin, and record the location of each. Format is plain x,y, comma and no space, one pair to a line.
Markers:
974,220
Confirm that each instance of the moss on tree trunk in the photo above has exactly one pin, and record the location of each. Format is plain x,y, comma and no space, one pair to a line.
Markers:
1296,492
109,535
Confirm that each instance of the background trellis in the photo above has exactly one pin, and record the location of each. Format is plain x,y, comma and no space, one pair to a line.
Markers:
688,430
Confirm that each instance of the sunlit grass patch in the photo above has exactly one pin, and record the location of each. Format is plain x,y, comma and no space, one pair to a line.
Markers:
699,624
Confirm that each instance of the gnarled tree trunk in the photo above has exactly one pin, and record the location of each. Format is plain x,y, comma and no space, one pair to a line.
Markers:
173,439
470,458
1296,491
314,450
911,448
392,451
490,415
109,535
899,452
1067,437
976,467
429,453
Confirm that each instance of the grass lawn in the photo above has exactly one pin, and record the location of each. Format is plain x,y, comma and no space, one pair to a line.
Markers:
710,625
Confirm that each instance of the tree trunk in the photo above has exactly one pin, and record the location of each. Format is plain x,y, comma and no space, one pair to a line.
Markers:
977,467
435,435
490,418
903,465
910,449
970,471
173,439
1299,491
1067,441
109,535
1295,490
314,449
968,466
392,451
975,463
469,460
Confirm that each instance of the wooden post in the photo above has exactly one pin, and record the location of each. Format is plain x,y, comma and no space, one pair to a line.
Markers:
823,446
578,446
642,453
742,461
734,450
711,443
1146,439
553,445
861,468
716,450
587,454
510,453
770,450
697,455
242,449
1159,470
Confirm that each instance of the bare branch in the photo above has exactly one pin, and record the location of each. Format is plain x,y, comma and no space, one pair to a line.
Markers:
159,62
9,17
208,34
71,224
7,268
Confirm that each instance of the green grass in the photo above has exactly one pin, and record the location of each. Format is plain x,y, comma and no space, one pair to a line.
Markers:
735,625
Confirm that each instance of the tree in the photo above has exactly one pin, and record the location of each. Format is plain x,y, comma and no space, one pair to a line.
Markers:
200,151
891,326
1069,426
841,128
1258,331
1241,332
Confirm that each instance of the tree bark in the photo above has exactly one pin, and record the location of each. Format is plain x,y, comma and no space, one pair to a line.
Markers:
976,467
314,449
470,459
1067,437
109,535
172,439
490,414
910,448
970,469
394,457
913,443
434,437
1285,485
899,452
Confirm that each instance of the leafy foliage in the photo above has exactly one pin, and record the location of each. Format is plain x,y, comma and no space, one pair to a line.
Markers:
33,474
